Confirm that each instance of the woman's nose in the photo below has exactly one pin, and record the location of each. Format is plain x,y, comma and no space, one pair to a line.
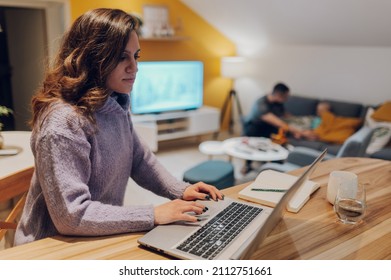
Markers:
132,67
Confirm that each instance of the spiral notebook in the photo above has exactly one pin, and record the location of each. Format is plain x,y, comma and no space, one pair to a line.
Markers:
269,187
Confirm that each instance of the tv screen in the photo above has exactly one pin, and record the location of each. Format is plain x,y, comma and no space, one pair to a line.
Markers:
163,86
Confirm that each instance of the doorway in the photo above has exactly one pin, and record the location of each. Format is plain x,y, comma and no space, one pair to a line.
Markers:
25,43
5,75
32,30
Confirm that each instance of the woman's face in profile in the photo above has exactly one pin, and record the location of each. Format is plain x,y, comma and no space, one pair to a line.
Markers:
122,78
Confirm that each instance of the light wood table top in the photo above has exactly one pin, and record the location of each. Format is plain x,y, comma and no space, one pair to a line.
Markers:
313,233
23,160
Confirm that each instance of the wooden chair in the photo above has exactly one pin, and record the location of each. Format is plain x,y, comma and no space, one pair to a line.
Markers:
11,187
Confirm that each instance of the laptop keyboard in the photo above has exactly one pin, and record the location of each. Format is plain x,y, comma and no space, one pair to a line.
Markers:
214,236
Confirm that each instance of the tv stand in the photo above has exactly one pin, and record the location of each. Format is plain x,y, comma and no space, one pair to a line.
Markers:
154,128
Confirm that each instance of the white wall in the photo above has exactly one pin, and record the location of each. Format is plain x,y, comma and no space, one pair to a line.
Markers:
358,74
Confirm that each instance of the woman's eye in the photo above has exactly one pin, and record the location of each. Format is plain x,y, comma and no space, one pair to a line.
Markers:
137,55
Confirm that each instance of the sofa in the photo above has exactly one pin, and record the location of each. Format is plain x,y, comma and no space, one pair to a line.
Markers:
301,106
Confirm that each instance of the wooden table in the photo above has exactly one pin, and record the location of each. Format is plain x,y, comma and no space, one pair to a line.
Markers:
23,160
313,233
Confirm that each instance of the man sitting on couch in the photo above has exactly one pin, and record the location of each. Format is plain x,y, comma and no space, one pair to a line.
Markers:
266,115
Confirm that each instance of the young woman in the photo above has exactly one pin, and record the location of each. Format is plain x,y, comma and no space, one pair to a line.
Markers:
85,146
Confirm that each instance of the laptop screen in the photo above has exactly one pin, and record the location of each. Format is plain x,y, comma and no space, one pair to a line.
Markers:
256,239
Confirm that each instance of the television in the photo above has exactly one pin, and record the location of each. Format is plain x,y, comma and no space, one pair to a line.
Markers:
163,86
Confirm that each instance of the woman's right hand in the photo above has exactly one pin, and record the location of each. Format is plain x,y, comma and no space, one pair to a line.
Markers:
177,210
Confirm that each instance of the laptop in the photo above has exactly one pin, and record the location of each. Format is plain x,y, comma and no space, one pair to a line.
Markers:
230,229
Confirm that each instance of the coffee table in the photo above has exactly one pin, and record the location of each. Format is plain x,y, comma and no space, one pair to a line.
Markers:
254,148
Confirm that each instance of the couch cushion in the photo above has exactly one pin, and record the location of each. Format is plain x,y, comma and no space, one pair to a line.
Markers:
381,135
316,145
301,106
382,114
384,153
346,109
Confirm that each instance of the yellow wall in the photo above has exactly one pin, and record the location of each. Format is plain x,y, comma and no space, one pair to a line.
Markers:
205,42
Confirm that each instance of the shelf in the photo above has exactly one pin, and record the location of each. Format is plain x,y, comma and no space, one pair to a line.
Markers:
172,135
164,39
173,125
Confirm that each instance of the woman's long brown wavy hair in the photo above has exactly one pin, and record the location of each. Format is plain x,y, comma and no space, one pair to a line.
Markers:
89,52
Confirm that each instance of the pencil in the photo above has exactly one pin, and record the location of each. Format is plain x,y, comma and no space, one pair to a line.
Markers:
268,190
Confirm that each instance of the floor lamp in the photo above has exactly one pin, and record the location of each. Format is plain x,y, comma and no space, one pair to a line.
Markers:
233,68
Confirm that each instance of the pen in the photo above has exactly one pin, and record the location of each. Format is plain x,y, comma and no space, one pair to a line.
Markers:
269,190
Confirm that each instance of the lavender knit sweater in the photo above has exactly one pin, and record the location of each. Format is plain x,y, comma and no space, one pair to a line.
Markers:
80,177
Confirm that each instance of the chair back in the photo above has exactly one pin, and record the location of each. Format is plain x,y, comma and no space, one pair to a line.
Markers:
14,186
356,145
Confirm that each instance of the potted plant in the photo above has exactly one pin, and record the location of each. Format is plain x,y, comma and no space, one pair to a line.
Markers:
4,111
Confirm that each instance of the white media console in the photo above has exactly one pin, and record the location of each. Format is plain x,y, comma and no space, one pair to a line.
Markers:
153,128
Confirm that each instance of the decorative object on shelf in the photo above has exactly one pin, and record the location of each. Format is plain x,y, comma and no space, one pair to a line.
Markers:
4,111
232,67
156,22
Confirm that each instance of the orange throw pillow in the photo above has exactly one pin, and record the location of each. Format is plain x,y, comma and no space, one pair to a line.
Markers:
335,129
383,113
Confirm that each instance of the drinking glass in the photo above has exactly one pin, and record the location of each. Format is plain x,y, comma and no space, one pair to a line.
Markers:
350,203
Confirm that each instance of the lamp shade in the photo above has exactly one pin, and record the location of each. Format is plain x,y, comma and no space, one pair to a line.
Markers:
233,67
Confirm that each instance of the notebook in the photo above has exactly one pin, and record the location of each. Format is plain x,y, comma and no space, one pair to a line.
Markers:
269,187
230,229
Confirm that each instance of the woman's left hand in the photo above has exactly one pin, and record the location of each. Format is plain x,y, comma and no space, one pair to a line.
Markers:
202,191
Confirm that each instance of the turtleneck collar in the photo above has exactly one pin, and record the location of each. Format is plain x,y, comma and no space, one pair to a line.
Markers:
117,103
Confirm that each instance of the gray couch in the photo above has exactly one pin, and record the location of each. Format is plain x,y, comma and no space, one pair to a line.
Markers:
306,106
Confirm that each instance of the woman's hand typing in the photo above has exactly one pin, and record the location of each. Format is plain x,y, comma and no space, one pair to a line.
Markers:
202,191
182,210
178,210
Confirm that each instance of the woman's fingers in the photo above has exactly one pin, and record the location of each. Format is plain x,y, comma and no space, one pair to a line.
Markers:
215,193
197,209
178,210
188,218
193,207
202,191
